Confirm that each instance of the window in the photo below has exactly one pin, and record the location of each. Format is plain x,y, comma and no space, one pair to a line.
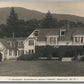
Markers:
22,52
75,39
52,40
31,42
31,51
36,33
25,52
15,53
10,52
19,52
81,39
78,39
62,33
20,43
16,43
8,43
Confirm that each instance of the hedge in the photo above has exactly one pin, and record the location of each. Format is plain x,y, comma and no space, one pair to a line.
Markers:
50,51
27,57
61,51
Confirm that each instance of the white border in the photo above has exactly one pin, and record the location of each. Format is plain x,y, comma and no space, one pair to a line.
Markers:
41,79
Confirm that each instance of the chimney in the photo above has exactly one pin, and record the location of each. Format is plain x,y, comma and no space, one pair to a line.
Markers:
48,11
13,34
68,25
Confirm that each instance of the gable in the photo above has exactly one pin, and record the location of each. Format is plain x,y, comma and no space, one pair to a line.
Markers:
1,46
5,44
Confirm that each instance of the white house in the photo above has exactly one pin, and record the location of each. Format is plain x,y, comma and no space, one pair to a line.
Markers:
54,37
11,48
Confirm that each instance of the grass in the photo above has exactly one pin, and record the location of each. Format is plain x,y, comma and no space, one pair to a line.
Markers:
41,68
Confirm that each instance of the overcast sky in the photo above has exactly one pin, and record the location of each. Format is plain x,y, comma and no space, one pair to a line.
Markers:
74,8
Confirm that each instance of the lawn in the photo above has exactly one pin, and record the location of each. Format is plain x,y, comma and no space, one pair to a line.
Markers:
41,68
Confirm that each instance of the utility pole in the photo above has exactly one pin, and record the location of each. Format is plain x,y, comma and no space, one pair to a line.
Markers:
13,35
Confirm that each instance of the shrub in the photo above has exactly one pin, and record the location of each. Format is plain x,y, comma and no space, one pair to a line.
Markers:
82,59
49,57
60,58
28,57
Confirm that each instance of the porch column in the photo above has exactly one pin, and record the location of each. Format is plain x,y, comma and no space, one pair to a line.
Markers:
2,56
48,39
17,52
7,52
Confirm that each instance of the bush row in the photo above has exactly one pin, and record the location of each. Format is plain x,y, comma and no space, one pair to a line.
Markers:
27,57
50,51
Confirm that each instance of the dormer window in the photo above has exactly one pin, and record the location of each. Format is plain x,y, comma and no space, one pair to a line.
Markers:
52,40
78,39
36,32
62,32
20,43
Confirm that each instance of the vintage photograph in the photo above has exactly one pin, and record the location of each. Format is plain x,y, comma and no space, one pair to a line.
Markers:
41,39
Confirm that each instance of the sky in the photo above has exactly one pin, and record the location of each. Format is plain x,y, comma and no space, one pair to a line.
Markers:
58,7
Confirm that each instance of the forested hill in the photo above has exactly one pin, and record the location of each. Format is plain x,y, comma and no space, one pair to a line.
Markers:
27,14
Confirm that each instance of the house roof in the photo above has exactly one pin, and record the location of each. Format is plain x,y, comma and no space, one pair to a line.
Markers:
67,37
78,31
6,45
16,38
45,32
5,41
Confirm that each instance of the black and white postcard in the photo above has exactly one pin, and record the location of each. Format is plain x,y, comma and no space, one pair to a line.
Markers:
41,41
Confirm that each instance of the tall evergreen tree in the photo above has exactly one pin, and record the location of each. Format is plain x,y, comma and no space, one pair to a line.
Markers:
12,22
13,18
12,25
49,21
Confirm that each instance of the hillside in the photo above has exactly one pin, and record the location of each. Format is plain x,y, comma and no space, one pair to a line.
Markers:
27,14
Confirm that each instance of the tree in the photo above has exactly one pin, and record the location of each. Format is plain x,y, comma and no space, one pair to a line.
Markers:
19,27
13,18
2,30
80,24
48,21
12,22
